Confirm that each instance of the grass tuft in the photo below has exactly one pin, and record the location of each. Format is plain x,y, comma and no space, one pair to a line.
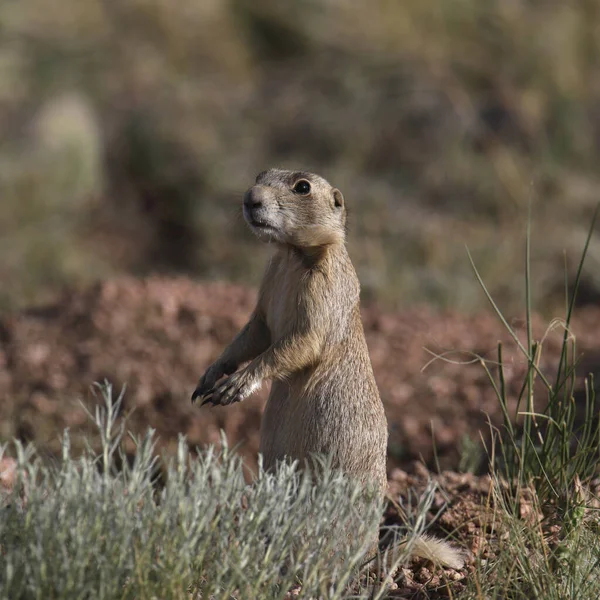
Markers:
558,444
544,461
101,527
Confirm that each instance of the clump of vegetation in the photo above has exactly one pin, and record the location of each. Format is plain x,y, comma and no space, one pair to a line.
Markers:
558,442
99,526
544,462
535,557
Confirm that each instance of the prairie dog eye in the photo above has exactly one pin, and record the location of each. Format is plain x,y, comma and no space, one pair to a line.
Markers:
302,187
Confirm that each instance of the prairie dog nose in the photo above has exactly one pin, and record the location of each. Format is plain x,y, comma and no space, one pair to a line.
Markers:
253,198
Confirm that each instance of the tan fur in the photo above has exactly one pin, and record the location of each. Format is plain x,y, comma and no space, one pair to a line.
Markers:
305,335
437,551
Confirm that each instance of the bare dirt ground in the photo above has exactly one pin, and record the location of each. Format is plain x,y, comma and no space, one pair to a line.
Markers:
157,335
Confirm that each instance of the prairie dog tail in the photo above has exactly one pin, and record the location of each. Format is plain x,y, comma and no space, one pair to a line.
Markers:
437,551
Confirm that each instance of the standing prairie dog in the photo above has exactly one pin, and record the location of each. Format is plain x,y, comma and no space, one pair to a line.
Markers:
305,335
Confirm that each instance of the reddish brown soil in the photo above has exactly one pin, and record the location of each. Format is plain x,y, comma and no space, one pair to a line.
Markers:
157,336
462,509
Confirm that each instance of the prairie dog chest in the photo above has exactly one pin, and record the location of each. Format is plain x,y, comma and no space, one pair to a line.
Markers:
281,295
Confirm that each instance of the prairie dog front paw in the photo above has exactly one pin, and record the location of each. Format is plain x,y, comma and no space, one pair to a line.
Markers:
235,388
209,379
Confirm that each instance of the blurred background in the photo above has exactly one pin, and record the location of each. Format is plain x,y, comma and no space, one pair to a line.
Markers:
129,131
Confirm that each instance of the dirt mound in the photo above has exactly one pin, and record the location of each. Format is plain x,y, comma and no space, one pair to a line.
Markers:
157,335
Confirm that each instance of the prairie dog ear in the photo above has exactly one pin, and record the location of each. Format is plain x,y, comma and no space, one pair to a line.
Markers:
338,199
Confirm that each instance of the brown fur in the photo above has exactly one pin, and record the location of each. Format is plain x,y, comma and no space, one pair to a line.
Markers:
306,335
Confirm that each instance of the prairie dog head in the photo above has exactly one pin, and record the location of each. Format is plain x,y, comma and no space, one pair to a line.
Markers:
295,208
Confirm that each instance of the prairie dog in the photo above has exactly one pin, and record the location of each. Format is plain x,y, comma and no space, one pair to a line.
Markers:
305,334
